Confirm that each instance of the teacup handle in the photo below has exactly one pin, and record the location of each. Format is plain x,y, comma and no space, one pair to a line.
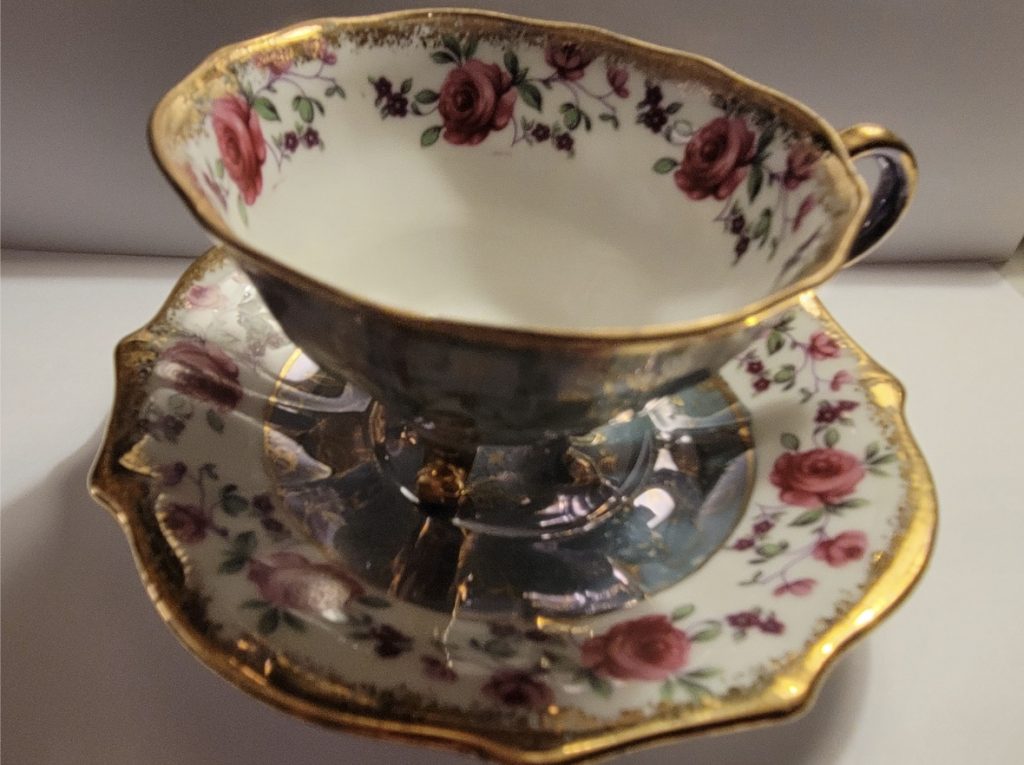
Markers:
895,186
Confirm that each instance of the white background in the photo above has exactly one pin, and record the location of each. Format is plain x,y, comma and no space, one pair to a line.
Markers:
80,77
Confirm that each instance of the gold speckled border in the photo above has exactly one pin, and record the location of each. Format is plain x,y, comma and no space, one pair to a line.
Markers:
293,689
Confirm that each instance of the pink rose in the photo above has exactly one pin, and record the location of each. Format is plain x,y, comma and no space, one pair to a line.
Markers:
841,549
648,648
203,371
822,346
716,159
202,296
568,59
816,477
516,688
840,378
800,587
800,164
288,580
617,78
475,99
240,141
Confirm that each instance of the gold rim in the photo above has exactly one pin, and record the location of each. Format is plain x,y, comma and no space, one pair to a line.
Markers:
666,62
276,681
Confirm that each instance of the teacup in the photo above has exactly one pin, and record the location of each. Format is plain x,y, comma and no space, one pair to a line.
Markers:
510,230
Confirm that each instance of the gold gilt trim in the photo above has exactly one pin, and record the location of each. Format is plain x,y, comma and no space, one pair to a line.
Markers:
176,112
274,679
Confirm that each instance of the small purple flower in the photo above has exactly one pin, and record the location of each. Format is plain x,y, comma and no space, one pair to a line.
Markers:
652,96
736,223
436,669
763,527
655,119
383,88
755,367
187,523
743,620
564,142
762,384
771,626
291,141
742,244
263,503
311,137
743,543
515,688
541,132
390,642
171,473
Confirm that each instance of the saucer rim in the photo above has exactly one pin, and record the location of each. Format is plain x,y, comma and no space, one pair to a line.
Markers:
850,188
789,692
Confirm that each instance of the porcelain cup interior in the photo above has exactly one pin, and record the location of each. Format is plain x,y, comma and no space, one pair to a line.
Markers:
509,227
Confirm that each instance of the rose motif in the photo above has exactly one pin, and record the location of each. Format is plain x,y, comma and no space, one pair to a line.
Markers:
800,164
839,379
822,346
203,371
716,159
204,296
618,78
816,477
475,99
841,549
568,59
515,688
799,587
289,580
648,648
187,523
240,141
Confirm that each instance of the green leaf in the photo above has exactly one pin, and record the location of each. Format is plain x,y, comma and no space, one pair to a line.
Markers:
429,136
682,612
406,85
231,565
373,601
871,451
512,63
242,213
268,621
470,48
609,118
696,689
255,603
667,691
245,543
673,107
831,437
334,90
451,42
266,109
215,421
570,117
530,95
218,168
665,165
787,373
763,226
776,341
304,107
877,471
232,502
884,459
790,441
443,57
500,648
808,517
293,621
703,673
713,630
426,96
855,502
771,549
763,140
755,179
599,685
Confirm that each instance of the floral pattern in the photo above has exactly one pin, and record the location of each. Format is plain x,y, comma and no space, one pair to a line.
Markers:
823,504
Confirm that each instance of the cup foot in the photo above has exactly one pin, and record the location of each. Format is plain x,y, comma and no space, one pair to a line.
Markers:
563,528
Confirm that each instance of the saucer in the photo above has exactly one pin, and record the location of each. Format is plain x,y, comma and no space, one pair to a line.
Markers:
783,510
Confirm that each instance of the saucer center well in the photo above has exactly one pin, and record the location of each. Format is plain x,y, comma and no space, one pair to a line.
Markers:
664,488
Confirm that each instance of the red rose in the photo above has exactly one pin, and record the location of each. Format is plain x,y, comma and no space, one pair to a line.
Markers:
716,159
288,580
841,549
516,688
203,371
816,477
821,346
800,164
618,77
568,59
648,648
240,141
475,99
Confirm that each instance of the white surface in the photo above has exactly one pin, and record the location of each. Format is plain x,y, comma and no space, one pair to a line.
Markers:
91,676
80,78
